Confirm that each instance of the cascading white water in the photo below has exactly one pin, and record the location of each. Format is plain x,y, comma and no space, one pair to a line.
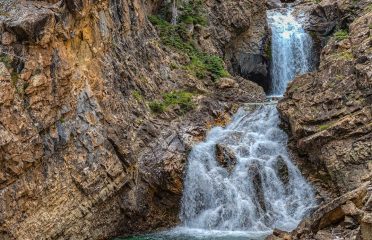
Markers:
291,49
264,190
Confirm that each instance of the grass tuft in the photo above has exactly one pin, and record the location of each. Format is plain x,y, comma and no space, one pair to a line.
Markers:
341,35
182,99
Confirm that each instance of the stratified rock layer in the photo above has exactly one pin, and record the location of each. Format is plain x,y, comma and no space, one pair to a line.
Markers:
82,156
328,114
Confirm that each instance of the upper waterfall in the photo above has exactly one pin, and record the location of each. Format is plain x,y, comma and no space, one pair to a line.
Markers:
291,49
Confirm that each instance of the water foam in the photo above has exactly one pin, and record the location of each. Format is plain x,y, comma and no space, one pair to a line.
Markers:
265,190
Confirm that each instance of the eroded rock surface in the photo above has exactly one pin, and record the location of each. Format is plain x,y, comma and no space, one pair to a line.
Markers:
82,156
328,114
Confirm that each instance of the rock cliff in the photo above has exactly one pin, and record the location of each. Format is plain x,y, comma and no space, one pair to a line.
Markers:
328,114
98,112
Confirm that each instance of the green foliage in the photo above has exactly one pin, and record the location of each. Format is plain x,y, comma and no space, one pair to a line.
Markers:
156,107
267,50
341,35
14,76
192,12
369,8
324,127
182,99
6,60
201,64
137,95
345,55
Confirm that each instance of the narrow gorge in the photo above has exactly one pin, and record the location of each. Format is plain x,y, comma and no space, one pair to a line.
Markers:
185,119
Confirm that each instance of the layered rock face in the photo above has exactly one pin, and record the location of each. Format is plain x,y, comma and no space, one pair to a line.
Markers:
328,114
82,156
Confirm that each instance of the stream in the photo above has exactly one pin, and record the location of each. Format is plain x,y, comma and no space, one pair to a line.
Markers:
260,189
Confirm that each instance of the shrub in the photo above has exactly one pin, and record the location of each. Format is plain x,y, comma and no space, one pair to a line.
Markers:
201,64
137,95
156,107
192,12
341,35
182,99
6,60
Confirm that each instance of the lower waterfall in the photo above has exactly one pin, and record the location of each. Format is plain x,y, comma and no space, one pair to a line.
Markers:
263,190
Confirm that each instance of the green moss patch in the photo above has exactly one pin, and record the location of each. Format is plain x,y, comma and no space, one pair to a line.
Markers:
201,64
341,35
182,99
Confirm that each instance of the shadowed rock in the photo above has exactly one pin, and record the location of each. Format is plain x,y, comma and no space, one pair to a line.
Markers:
226,157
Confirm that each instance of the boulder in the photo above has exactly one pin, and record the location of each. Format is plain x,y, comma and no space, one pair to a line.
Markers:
282,170
224,83
345,210
255,176
30,23
226,157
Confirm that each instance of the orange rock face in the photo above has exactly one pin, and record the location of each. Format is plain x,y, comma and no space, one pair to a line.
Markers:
82,156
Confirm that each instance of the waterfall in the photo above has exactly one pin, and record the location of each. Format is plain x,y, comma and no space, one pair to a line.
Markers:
240,183
255,187
264,190
291,49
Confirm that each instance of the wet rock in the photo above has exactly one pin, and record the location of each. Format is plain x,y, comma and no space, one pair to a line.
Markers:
226,157
255,176
279,235
345,210
282,169
274,4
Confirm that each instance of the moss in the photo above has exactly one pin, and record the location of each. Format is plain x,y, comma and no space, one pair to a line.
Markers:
341,35
201,64
345,55
14,77
157,107
182,99
369,8
267,50
137,95
6,60
192,12
324,127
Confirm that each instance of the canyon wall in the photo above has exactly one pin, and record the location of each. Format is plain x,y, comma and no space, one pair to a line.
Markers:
328,114
97,115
